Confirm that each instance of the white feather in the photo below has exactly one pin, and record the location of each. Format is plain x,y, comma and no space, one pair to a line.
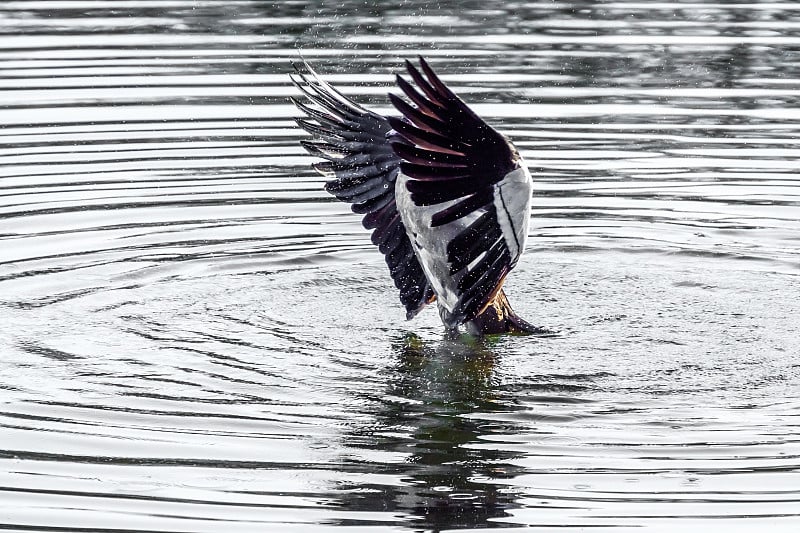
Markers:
512,201
430,246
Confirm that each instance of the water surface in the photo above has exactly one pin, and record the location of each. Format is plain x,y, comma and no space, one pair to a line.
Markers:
195,337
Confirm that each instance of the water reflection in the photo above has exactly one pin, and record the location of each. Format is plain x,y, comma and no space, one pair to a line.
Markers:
424,416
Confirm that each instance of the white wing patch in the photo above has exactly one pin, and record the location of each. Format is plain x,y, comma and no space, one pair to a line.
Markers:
512,200
430,245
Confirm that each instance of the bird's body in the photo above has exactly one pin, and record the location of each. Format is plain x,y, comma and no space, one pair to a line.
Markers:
447,196
511,195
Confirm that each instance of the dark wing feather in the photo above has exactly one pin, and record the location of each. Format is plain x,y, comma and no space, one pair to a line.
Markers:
362,168
481,255
452,157
441,139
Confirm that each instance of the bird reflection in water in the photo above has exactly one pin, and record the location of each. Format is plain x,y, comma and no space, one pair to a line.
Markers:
450,477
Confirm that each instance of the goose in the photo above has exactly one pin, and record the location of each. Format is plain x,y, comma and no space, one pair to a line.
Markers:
447,197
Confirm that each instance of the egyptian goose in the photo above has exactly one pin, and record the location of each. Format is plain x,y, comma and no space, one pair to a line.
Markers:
446,195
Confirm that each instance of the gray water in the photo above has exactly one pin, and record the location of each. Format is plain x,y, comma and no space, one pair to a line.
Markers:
194,337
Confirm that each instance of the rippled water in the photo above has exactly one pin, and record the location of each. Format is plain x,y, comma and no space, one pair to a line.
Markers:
195,337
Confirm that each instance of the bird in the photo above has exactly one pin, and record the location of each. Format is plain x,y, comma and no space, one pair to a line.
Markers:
447,196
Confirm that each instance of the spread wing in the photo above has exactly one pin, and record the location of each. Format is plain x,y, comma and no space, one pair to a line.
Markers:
452,157
362,169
